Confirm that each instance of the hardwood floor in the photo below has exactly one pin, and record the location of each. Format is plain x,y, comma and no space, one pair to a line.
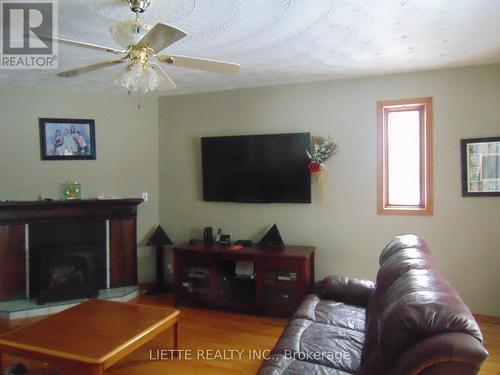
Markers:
216,333
490,327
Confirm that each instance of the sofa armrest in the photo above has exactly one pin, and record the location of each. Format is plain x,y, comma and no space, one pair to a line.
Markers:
446,353
339,288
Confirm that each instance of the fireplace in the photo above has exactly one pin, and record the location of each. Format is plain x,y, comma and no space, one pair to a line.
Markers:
67,274
30,231
67,260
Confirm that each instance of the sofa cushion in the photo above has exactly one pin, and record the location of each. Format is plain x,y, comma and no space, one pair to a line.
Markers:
331,312
419,304
324,344
345,289
399,263
280,364
403,242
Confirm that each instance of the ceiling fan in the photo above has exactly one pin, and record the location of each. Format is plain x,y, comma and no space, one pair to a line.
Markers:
141,44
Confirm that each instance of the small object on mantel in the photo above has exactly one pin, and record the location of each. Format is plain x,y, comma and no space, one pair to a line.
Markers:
159,239
71,190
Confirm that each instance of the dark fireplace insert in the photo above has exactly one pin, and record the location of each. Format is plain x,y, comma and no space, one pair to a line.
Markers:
67,274
67,260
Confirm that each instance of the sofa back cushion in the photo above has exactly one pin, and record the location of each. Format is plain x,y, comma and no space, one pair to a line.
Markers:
398,243
411,302
349,290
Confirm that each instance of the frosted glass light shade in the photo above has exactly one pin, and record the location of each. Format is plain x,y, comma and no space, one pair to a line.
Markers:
153,78
124,78
136,78
128,33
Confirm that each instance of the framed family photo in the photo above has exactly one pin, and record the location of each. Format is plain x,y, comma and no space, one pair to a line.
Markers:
67,139
480,166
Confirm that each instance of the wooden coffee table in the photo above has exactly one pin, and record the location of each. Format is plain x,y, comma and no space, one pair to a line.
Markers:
96,334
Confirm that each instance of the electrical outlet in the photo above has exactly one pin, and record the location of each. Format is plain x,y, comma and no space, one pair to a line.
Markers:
145,196
170,268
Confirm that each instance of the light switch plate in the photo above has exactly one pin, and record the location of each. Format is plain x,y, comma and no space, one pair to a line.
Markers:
145,196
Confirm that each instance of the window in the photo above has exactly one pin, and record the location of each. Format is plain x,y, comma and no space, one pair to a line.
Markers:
404,157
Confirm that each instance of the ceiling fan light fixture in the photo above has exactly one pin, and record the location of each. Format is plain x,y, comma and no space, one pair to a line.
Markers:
138,78
141,44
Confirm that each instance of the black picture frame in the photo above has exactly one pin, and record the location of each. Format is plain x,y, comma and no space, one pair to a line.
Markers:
473,153
78,147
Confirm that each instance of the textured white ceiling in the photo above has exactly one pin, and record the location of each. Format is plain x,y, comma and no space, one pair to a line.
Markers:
284,41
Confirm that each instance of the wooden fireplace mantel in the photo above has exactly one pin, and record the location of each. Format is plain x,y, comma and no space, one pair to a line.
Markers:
17,216
31,211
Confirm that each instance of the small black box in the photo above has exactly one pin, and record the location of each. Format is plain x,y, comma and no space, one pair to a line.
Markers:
225,239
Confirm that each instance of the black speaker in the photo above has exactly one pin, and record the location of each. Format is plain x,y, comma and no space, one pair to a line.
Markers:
208,235
272,238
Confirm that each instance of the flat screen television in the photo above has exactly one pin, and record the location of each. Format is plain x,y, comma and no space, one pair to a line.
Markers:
271,168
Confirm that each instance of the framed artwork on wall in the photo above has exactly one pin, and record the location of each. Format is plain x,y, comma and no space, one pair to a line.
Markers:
67,139
480,166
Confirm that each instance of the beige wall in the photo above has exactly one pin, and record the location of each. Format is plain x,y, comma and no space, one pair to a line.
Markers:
464,233
127,151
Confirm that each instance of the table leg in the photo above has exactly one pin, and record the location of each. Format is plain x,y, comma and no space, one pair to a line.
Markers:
176,336
96,370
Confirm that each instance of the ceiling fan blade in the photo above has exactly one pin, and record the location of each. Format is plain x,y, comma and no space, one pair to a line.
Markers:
161,36
84,45
90,68
166,82
201,64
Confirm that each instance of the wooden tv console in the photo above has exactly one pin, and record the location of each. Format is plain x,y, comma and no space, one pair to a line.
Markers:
205,274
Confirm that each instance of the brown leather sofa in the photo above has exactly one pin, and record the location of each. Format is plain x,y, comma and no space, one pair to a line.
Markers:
411,322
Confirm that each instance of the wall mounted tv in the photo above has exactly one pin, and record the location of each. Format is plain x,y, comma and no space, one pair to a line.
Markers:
271,168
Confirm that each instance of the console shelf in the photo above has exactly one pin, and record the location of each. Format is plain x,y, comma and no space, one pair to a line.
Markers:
281,280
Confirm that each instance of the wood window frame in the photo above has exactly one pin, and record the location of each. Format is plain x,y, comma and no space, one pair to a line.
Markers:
424,105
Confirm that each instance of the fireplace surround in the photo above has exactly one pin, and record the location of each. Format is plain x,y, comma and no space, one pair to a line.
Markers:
58,250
